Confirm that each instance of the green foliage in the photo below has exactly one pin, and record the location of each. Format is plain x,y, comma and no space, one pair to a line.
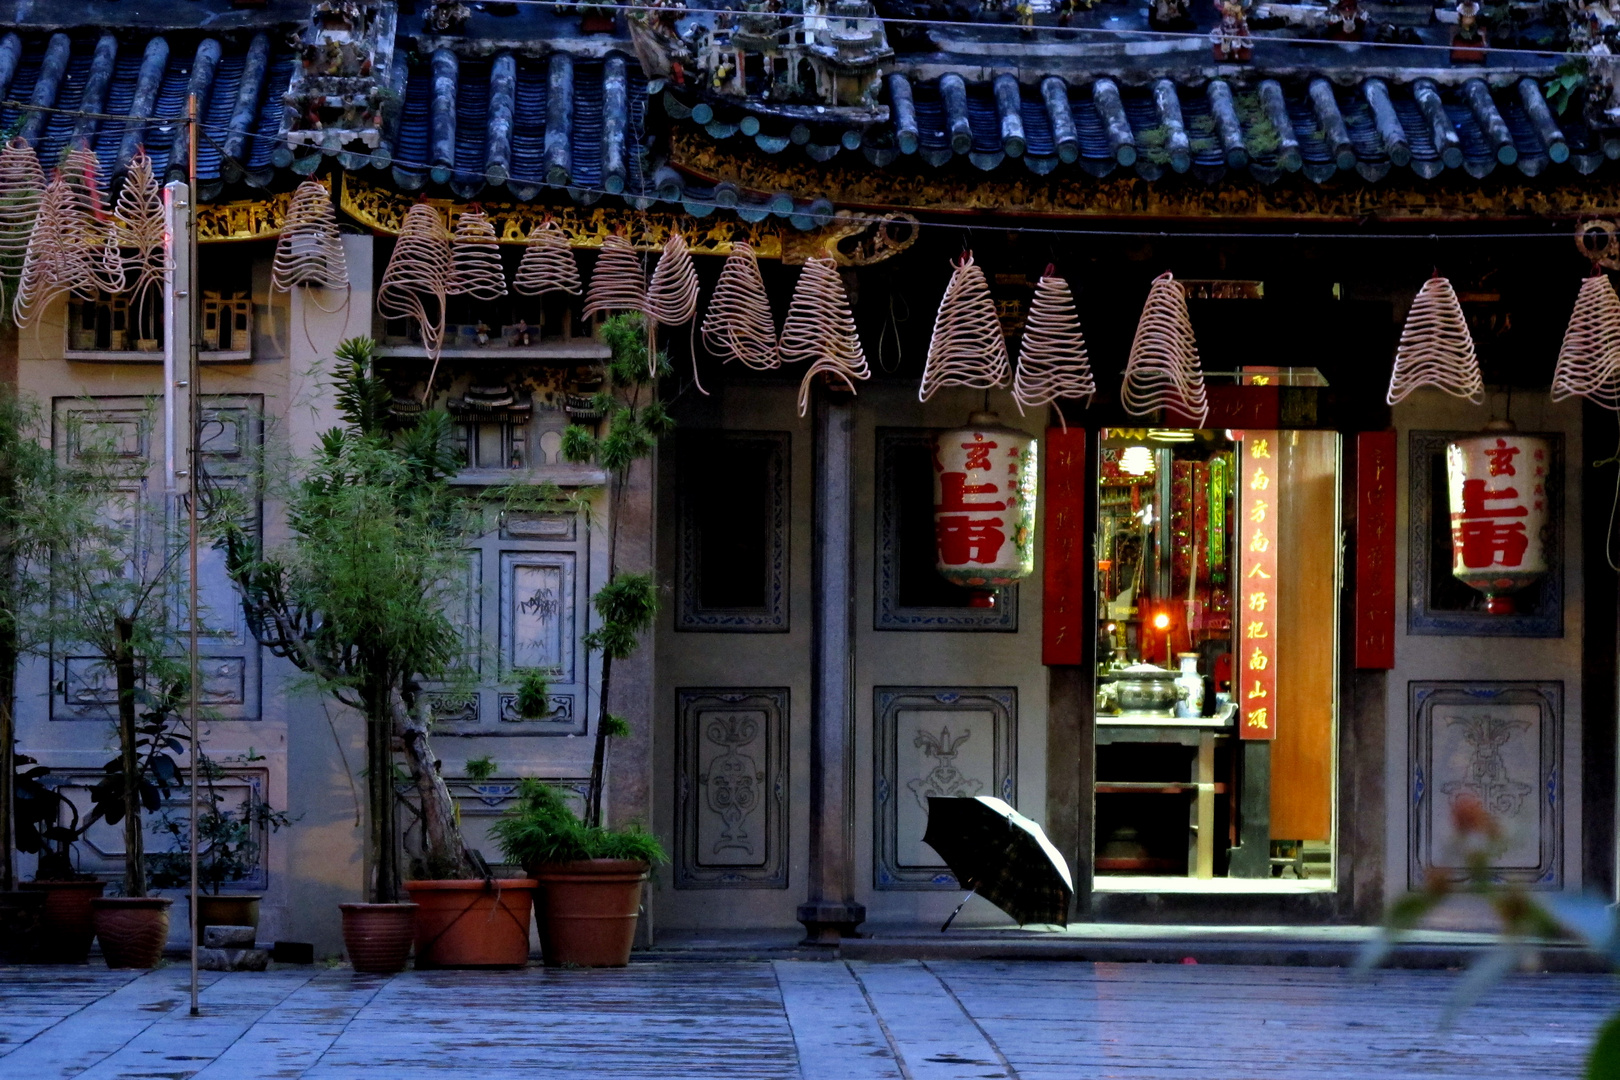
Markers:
533,694
227,838
157,738
616,726
1603,1063
627,606
540,829
480,769
1568,78
578,444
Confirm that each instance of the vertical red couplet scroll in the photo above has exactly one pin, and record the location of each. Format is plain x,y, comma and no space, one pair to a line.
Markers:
1375,549
1063,602
1254,668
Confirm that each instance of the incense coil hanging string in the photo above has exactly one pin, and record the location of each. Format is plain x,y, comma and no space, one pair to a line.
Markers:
617,282
418,268
1436,349
968,347
739,324
310,249
22,186
1163,370
1052,360
475,259
93,233
548,263
1589,360
821,329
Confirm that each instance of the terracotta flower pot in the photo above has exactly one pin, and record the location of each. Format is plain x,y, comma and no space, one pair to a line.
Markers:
21,914
378,936
471,924
588,911
226,909
66,930
132,929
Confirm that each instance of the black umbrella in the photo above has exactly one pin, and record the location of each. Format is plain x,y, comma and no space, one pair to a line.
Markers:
1002,855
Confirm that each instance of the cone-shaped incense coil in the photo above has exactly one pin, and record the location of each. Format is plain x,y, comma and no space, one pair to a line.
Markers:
1436,349
1052,362
821,330
22,186
1163,371
310,249
1589,361
548,264
138,227
617,283
418,272
91,225
968,347
475,259
50,266
739,325
672,295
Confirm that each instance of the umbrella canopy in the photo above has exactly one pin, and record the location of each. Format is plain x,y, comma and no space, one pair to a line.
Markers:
1002,855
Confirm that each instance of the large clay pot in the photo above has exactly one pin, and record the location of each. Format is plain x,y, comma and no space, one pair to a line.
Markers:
587,911
378,936
66,930
226,909
21,914
472,923
132,929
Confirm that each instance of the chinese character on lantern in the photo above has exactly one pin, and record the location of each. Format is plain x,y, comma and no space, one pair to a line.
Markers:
1498,502
984,503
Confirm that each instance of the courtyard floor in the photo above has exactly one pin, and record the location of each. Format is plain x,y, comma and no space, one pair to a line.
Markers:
791,1019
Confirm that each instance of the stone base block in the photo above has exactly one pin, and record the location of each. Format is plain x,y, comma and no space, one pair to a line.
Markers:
233,959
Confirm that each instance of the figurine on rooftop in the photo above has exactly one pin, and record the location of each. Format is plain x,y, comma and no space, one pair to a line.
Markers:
1230,40
1170,14
1346,20
1468,43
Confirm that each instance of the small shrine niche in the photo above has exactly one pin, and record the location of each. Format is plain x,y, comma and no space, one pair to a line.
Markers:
227,324
340,86
106,325
495,422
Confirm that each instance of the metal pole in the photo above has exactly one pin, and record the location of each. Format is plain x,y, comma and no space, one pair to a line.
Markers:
193,414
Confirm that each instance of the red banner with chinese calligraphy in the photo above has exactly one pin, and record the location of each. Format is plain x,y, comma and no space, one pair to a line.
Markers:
1063,604
1254,670
1375,549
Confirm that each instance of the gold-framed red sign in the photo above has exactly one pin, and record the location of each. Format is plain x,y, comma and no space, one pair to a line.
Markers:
1255,622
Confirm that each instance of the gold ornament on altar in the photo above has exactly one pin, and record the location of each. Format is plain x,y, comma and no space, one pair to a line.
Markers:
1589,361
739,324
1052,361
418,273
138,228
1436,349
1163,370
22,186
618,282
968,347
309,250
475,259
548,263
820,329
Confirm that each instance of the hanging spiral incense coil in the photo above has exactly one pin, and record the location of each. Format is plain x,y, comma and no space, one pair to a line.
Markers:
672,295
419,271
739,325
22,186
1589,360
92,226
617,283
138,228
821,330
1052,361
968,347
548,263
1163,370
475,259
1436,349
53,264
310,249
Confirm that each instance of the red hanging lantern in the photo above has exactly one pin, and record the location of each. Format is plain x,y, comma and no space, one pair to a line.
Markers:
1498,498
984,504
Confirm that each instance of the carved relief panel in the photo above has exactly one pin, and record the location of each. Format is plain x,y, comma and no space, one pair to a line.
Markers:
731,788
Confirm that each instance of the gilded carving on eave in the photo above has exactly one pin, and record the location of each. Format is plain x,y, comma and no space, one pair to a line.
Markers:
253,219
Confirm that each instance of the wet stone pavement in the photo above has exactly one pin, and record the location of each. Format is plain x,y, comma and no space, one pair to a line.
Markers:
791,1019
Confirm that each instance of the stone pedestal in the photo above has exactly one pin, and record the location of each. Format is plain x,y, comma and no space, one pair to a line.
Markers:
231,948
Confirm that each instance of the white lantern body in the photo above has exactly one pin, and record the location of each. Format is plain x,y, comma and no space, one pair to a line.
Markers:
1497,485
984,503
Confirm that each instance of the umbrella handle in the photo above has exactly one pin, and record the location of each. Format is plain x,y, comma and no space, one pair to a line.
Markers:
959,907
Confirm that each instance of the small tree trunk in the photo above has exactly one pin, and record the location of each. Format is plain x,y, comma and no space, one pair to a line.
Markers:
385,877
593,796
443,850
134,836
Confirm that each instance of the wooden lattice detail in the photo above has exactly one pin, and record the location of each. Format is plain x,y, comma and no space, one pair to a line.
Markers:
672,295
92,225
548,263
475,259
1052,361
617,283
418,272
1436,349
22,186
1163,371
1589,361
968,347
739,325
138,227
310,249
820,329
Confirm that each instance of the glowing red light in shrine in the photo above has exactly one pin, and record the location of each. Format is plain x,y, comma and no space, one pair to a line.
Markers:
1161,621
